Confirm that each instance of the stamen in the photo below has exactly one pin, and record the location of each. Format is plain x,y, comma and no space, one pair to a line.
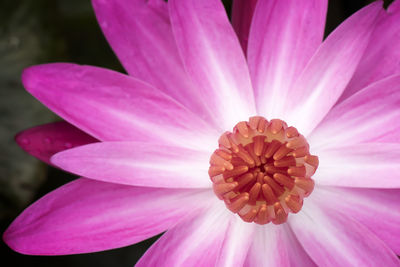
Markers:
262,170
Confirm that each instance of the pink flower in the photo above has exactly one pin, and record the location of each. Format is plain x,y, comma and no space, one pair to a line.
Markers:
149,136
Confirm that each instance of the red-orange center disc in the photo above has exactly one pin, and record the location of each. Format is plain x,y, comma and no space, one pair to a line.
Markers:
262,170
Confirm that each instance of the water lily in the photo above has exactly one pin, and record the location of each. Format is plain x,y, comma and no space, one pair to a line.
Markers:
218,147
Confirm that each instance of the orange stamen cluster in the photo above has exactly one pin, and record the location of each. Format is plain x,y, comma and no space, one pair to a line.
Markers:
263,170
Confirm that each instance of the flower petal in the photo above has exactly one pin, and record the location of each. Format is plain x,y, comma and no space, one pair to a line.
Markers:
377,209
87,216
136,163
46,140
334,239
284,35
374,165
329,70
242,14
371,115
213,58
239,237
382,56
205,240
112,106
193,242
276,246
140,33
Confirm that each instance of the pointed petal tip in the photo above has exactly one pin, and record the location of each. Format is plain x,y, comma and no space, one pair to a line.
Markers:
28,76
18,138
55,159
12,242
394,7
63,158
6,238
33,75
45,140
22,141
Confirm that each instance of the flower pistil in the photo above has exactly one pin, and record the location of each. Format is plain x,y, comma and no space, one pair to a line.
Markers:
262,170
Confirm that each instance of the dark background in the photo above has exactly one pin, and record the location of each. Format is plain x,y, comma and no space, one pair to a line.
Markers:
40,31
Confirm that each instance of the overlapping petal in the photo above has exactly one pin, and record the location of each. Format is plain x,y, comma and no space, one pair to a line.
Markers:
140,34
377,209
239,237
370,115
213,238
284,35
137,163
112,106
329,70
373,165
193,242
382,56
276,246
333,239
242,15
213,58
88,216
46,140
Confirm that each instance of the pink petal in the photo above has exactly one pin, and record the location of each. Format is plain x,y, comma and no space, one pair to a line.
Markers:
140,33
377,209
371,115
136,163
394,6
329,70
213,58
334,239
112,106
46,140
382,56
87,216
276,246
284,35
374,165
239,237
242,14
193,242
200,241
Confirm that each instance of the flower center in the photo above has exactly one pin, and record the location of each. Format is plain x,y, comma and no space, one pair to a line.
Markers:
262,170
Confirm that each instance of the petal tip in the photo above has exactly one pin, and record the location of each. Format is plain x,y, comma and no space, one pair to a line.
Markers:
65,160
394,7
56,159
12,242
29,78
21,245
20,139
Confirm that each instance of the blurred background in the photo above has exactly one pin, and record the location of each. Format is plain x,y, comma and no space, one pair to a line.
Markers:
40,31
